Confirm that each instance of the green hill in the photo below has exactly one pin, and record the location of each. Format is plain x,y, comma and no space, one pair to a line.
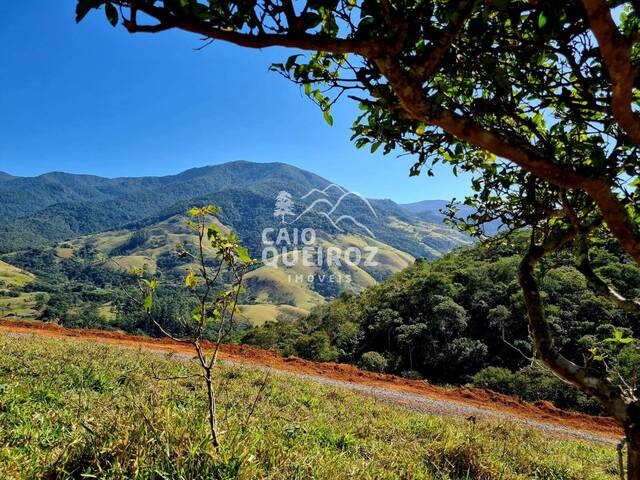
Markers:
139,222
13,301
11,276
60,206
154,247
462,319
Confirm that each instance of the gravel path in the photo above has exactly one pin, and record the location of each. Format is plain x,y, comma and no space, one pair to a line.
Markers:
424,404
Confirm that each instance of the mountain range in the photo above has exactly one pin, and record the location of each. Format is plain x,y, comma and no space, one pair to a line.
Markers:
139,221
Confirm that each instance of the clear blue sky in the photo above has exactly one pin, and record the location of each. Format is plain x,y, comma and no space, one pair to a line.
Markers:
92,99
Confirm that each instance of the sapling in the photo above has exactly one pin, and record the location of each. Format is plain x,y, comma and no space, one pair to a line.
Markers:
214,279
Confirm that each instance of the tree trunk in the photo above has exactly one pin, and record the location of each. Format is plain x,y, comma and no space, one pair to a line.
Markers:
633,451
212,410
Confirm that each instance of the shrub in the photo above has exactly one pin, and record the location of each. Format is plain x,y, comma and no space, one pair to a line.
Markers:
316,347
533,384
411,375
501,380
373,362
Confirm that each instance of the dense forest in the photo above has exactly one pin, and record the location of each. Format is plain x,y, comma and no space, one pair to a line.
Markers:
462,319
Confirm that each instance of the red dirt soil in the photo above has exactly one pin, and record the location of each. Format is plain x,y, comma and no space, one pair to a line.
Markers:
540,411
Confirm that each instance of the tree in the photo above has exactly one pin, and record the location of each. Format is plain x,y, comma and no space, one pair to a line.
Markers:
538,100
284,205
216,288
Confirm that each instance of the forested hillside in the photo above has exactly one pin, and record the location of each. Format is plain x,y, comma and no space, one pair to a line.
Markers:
52,223
59,206
457,319
462,319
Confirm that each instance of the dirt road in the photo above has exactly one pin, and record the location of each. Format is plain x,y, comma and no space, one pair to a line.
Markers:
411,394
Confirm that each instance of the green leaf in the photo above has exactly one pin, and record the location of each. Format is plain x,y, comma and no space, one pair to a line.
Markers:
148,303
112,14
311,19
618,337
243,255
213,231
191,280
83,7
327,117
291,61
542,20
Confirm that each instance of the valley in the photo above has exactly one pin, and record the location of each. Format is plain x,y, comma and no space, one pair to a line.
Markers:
338,278
120,224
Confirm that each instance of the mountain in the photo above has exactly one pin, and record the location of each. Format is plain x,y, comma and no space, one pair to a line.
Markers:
4,176
425,205
60,206
432,208
140,221
431,211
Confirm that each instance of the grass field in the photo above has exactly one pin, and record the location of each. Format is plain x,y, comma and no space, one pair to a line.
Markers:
258,314
13,277
71,409
22,306
107,311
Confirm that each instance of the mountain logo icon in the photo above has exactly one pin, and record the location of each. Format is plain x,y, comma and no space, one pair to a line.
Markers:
284,207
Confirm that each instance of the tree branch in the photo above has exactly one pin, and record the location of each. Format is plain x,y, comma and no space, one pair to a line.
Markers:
292,20
302,41
426,67
524,155
616,216
545,347
596,283
616,53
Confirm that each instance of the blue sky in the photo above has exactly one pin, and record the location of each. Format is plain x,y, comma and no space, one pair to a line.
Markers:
92,99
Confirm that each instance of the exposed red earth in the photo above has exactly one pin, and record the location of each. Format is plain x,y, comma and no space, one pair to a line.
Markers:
495,404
